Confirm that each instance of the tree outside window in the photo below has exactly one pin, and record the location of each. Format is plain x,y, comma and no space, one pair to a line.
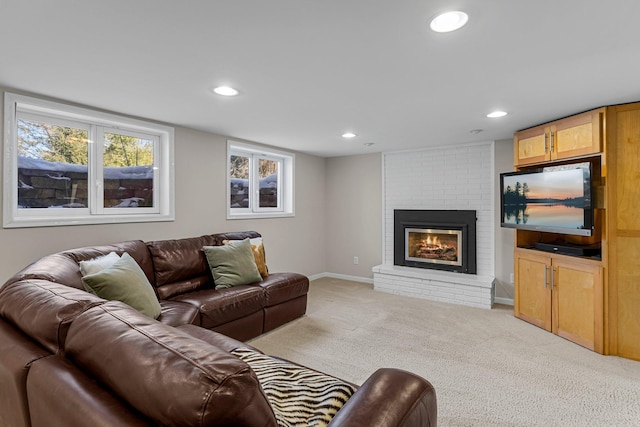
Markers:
71,165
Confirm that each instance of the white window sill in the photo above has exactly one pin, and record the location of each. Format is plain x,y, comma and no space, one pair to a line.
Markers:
85,220
254,215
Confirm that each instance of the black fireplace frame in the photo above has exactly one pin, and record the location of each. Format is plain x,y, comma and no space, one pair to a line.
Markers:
463,220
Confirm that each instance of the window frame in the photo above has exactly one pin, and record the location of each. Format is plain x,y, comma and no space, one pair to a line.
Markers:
16,106
157,156
286,188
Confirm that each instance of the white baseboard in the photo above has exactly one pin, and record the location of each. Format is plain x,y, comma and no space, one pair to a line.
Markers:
505,301
342,276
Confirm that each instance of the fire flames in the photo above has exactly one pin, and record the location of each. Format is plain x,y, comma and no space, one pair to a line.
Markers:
433,248
431,241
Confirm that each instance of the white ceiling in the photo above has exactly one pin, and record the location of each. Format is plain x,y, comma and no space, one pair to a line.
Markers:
309,70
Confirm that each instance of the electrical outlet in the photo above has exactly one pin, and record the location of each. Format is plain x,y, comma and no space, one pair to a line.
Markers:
355,260
511,279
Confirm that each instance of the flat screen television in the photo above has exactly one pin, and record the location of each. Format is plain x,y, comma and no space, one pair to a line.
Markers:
555,199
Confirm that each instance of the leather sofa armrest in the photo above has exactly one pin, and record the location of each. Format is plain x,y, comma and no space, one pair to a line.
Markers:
390,398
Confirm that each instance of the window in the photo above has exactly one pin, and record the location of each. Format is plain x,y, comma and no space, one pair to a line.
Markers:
67,165
259,182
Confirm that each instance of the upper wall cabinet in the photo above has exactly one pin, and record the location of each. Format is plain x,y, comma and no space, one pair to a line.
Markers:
577,135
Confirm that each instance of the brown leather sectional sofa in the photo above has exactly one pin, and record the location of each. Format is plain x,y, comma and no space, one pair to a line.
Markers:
69,358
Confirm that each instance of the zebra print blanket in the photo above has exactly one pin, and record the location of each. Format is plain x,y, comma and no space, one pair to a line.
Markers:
299,396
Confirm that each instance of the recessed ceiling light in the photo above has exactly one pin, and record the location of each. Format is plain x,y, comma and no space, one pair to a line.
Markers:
495,114
449,21
349,135
225,91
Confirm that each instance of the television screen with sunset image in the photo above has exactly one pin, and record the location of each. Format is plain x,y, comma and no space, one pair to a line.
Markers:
554,199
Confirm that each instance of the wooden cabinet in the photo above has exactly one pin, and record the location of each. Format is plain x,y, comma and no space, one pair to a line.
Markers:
532,294
595,303
623,230
571,137
577,302
560,294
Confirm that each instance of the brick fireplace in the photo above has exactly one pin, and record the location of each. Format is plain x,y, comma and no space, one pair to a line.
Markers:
433,265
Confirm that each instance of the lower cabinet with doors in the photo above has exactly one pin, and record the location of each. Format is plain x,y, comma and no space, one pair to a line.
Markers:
561,294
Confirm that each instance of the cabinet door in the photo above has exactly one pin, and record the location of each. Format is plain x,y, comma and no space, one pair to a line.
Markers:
577,136
532,294
577,303
622,210
531,146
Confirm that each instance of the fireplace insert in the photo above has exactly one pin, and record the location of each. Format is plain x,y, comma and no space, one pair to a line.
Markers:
436,239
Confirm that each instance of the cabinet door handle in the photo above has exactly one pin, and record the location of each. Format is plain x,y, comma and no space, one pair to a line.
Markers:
546,143
553,279
552,144
546,276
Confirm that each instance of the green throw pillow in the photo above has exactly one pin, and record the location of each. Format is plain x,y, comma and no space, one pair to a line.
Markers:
232,265
125,281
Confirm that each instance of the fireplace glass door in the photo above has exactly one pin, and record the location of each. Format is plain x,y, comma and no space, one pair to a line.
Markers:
431,245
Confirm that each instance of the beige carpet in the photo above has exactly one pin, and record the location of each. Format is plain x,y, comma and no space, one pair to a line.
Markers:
488,368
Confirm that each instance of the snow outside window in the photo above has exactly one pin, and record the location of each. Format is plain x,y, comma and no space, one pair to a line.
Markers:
66,165
259,182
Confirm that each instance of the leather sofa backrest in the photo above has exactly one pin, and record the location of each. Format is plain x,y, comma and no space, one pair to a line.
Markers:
63,267
237,235
44,310
136,248
180,265
165,374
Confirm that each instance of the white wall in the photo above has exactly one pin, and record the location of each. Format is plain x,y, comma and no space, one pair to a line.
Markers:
354,223
354,215
292,244
333,223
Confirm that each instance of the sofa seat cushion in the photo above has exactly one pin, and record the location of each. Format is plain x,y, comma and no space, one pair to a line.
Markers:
299,396
176,313
281,287
219,306
165,374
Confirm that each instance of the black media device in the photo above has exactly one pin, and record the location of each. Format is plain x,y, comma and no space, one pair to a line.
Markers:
568,249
